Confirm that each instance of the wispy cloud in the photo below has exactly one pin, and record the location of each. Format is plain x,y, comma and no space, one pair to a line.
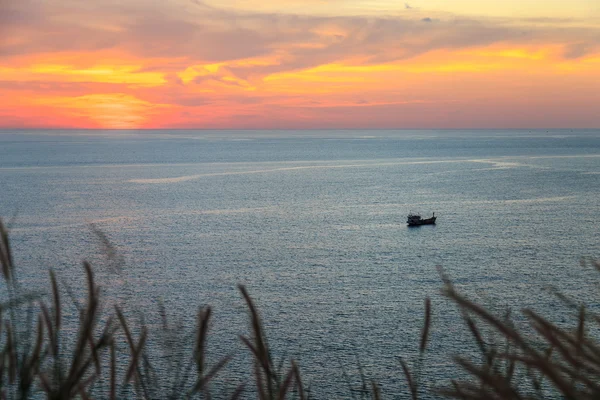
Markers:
193,30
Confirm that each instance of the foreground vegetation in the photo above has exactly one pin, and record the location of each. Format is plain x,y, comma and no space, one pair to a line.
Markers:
107,358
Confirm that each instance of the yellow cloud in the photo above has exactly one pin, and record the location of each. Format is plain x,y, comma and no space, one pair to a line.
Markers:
582,9
511,53
127,74
194,71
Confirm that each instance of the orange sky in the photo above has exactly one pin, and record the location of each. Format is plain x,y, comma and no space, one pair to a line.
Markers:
299,64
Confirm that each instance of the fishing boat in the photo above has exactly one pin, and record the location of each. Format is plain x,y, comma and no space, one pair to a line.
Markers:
416,220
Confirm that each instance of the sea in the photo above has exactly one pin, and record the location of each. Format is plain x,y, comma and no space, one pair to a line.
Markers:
313,224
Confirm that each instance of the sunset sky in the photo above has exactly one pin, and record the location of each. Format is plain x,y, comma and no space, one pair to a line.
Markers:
299,64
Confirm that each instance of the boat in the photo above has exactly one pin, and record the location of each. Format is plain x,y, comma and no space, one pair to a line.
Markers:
416,220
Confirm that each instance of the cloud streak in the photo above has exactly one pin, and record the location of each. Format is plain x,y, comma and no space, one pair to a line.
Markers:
196,32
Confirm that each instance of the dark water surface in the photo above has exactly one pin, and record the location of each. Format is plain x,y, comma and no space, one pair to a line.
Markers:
314,224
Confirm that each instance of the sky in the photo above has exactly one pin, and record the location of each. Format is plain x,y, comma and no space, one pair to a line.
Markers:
299,64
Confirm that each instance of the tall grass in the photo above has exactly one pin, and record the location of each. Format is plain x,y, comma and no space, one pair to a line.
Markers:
543,360
108,358
38,358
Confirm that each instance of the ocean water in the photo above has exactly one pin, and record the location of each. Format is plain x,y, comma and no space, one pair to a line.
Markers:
313,223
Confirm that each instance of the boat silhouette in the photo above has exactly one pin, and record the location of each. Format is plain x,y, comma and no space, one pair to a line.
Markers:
416,220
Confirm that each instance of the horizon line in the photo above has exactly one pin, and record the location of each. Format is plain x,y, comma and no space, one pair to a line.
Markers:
294,129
